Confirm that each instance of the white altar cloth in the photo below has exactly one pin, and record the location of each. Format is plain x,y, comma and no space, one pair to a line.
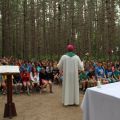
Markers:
102,103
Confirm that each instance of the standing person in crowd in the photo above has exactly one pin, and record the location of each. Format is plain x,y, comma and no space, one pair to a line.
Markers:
70,63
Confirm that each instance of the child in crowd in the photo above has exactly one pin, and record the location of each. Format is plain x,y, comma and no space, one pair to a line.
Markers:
56,74
4,87
0,83
49,70
100,73
17,81
34,77
83,80
91,77
109,74
25,76
44,81
116,74
38,67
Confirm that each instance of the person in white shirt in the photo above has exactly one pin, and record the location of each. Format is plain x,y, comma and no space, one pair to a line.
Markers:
34,77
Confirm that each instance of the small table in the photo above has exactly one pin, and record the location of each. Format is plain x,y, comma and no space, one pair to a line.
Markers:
10,110
102,103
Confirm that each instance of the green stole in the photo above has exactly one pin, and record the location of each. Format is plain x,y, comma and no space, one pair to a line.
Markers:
70,54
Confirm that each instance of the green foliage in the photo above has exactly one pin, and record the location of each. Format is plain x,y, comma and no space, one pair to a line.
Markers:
45,57
59,25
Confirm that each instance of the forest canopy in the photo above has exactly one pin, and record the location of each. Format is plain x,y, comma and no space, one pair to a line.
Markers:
36,28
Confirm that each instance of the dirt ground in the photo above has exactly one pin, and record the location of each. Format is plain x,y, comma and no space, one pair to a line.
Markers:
43,106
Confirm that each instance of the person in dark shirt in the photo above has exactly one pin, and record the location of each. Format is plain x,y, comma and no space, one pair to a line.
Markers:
17,81
91,75
49,70
44,81
56,75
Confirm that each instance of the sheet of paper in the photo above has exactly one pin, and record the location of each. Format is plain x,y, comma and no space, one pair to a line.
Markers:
9,69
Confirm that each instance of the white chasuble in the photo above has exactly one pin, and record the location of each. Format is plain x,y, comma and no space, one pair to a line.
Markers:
70,86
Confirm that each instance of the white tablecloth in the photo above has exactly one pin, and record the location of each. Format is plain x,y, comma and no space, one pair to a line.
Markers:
102,103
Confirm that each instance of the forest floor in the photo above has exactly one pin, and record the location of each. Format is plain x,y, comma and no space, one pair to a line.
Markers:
44,106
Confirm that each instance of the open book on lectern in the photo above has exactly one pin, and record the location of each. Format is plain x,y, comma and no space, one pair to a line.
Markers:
9,69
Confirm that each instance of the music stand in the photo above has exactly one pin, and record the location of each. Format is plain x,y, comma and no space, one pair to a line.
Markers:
9,110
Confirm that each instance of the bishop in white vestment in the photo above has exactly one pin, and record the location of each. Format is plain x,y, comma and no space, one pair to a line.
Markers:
70,64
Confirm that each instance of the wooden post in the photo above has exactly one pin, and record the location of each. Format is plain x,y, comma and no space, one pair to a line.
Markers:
10,110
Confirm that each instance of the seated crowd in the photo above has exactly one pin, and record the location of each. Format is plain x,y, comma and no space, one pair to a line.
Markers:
105,72
34,76
39,75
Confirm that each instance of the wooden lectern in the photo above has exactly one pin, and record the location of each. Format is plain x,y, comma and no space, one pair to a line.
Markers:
10,110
